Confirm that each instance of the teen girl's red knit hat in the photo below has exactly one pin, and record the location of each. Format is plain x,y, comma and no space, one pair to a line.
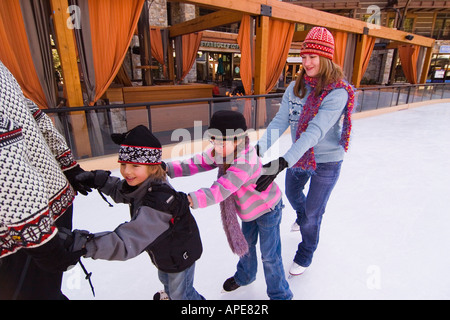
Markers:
319,41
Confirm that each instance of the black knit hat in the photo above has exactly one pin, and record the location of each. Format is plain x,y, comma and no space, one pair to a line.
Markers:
138,146
227,124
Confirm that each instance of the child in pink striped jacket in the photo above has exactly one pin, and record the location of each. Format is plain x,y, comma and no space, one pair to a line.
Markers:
260,212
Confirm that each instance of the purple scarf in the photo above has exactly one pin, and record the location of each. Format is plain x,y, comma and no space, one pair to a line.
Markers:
231,225
308,161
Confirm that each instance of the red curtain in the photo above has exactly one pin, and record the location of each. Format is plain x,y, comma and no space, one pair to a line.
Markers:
340,46
157,45
280,39
408,57
244,39
246,42
191,43
367,51
112,24
15,51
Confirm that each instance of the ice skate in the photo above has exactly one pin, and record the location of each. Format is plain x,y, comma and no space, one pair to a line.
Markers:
230,285
296,270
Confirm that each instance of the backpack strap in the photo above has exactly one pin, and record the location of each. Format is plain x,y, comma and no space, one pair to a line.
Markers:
163,197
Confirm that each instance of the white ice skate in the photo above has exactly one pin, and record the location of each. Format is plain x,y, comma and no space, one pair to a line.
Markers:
296,270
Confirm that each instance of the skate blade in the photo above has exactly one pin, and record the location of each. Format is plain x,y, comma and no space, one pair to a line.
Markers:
291,276
224,291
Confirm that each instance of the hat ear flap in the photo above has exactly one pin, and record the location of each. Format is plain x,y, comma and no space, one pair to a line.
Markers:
118,138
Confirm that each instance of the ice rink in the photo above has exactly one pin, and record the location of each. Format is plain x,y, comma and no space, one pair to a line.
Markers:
385,233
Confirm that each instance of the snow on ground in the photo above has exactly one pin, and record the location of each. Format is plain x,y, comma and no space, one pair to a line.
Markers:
385,233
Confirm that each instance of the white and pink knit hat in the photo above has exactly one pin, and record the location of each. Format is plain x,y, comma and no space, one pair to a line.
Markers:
319,41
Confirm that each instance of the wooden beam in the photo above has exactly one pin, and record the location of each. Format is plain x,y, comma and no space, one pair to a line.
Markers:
358,63
171,61
299,36
72,85
261,56
261,51
209,21
67,53
426,65
218,36
145,45
288,12
252,7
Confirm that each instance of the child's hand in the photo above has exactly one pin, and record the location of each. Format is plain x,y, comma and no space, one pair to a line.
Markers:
191,203
270,172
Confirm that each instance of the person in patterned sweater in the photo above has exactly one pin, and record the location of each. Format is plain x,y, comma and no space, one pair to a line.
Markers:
35,198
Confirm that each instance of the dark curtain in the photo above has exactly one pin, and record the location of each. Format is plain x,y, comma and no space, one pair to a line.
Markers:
84,46
25,48
36,15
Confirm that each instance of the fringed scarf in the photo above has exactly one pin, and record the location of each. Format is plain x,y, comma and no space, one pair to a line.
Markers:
231,225
308,162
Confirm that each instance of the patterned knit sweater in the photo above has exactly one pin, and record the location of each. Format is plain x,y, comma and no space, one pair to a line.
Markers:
34,191
238,182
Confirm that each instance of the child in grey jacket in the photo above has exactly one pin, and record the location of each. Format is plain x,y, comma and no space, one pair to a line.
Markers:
169,235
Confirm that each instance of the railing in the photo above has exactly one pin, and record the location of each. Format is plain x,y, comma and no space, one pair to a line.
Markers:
372,98
167,116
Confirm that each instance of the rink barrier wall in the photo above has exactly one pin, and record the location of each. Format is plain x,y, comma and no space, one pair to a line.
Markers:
111,118
109,162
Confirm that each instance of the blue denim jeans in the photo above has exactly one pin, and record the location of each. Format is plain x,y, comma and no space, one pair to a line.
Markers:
310,208
268,228
180,286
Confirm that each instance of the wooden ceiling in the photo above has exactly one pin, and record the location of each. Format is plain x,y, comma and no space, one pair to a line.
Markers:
231,11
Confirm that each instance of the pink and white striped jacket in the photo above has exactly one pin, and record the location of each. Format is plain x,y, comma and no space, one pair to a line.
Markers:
238,182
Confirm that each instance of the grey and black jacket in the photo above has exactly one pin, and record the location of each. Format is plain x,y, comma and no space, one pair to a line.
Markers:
172,240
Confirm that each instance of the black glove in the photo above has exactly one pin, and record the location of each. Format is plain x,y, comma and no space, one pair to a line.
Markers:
270,172
54,256
75,241
163,198
92,179
71,176
257,150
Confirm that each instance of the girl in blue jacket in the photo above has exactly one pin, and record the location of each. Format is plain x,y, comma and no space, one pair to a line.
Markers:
317,107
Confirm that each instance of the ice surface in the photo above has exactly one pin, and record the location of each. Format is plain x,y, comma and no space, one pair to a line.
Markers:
385,233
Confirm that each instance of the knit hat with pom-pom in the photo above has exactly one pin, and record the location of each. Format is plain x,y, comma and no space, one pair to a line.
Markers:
319,41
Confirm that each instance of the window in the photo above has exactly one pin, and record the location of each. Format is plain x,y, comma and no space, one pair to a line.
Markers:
441,29
408,24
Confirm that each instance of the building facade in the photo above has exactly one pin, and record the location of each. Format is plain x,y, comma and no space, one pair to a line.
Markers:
219,56
425,18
